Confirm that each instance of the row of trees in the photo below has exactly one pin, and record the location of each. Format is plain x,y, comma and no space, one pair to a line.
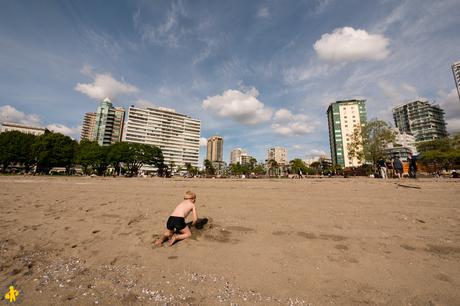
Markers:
272,168
56,150
368,144
441,153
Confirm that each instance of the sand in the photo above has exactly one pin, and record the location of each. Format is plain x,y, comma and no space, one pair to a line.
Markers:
355,241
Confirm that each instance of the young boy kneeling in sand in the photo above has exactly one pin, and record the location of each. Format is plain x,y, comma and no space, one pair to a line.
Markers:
176,221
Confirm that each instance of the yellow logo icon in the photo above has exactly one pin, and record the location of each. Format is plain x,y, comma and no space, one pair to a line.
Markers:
12,294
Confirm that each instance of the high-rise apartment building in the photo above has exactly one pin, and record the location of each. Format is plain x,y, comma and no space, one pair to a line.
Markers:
87,129
343,118
278,154
246,159
236,156
421,119
215,149
456,71
108,128
177,135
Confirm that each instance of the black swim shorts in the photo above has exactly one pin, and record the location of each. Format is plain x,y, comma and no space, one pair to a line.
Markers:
175,223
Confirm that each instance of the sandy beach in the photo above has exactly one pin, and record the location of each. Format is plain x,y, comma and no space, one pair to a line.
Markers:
321,241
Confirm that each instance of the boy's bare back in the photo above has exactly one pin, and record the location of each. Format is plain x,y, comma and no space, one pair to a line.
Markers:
183,209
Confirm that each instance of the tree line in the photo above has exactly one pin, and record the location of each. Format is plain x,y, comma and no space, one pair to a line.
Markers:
368,144
39,154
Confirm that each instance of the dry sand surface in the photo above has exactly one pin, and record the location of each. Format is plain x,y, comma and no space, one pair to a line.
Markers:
356,241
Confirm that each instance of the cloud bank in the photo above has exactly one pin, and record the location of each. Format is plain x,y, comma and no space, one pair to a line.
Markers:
203,142
288,124
347,45
104,85
10,114
243,107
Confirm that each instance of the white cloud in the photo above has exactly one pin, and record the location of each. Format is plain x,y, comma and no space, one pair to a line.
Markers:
10,114
143,103
169,32
398,94
203,142
450,103
243,107
294,75
347,44
288,124
73,132
104,85
263,12
315,152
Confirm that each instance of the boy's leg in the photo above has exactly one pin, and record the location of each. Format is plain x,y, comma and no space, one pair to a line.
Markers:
184,234
167,235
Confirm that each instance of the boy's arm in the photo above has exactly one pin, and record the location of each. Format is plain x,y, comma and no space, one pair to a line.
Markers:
194,215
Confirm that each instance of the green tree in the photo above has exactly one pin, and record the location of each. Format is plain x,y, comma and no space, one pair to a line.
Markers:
369,141
297,166
316,167
273,167
117,154
259,169
141,154
209,168
86,155
54,150
236,169
192,171
16,147
440,153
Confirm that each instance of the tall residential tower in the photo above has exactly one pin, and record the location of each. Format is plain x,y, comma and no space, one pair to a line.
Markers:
343,118
108,128
177,135
87,129
421,119
278,154
215,149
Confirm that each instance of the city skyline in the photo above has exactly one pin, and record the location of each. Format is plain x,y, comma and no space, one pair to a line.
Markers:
259,74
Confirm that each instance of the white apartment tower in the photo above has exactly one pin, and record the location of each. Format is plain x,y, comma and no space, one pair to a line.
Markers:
236,156
89,124
343,118
177,135
278,154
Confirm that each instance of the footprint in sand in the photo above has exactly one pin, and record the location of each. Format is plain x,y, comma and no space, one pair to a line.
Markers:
341,247
307,235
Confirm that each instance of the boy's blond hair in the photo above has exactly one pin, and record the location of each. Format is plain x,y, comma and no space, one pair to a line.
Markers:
189,195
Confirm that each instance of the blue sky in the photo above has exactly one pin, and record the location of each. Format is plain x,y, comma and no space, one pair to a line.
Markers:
258,73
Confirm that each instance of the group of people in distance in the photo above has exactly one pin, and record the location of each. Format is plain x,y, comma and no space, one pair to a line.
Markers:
395,167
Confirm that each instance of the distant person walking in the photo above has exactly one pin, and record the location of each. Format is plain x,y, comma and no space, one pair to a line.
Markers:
383,168
176,228
412,166
398,166
390,172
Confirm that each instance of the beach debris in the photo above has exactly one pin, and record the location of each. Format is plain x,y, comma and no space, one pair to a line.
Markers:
409,186
110,284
